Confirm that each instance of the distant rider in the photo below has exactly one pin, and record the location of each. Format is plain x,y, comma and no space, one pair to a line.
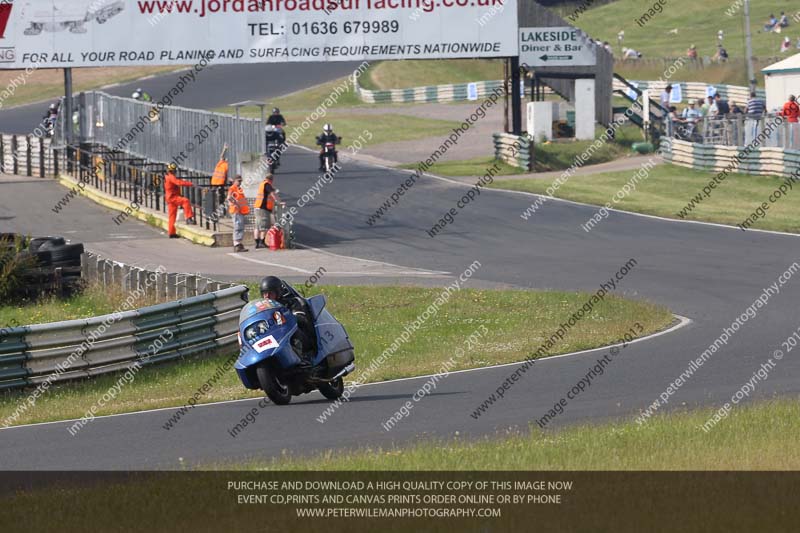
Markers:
274,288
141,95
49,119
276,119
328,136
52,112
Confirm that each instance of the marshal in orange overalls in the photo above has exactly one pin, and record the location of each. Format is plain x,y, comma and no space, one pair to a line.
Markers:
172,194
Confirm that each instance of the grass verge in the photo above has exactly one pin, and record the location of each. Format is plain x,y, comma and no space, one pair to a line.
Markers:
374,317
561,155
417,73
757,437
384,127
468,167
669,188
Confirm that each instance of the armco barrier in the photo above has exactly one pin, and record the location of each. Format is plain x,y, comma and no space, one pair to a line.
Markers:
515,150
205,322
760,161
60,351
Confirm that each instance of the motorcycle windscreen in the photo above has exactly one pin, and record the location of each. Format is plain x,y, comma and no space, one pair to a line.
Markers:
265,334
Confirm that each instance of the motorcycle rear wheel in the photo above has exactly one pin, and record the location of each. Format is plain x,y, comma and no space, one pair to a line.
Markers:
332,390
276,391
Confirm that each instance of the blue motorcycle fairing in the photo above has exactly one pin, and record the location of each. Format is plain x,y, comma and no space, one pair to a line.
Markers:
269,338
262,337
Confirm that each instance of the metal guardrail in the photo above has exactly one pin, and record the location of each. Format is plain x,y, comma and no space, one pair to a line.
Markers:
738,131
515,150
60,351
204,321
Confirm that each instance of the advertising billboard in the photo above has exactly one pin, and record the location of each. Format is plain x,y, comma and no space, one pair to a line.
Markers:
93,33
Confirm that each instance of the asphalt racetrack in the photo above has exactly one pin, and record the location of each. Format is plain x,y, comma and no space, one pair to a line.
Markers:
706,273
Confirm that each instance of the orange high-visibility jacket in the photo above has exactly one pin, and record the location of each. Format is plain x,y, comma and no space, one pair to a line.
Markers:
220,176
172,186
260,197
237,202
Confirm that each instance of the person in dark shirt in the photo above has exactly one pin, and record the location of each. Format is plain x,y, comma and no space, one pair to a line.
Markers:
722,105
276,119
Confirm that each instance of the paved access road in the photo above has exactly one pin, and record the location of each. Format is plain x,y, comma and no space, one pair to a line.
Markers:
706,273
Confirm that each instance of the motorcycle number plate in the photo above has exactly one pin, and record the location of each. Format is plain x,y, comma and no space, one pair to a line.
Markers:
265,344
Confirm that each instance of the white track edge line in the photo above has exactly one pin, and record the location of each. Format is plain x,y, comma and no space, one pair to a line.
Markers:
683,321
573,202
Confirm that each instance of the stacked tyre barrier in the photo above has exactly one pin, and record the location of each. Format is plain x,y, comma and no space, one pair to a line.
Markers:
764,161
46,353
27,155
692,91
453,92
515,150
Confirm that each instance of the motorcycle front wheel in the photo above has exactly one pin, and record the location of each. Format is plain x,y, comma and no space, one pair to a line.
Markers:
276,391
332,390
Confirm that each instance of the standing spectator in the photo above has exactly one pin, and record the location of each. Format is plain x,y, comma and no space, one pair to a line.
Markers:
665,95
791,111
786,45
172,195
702,107
691,113
238,207
722,105
219,180
755,105
266,199
711,107
676,122
691,53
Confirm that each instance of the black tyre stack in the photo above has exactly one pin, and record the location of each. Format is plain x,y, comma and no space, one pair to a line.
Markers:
56,266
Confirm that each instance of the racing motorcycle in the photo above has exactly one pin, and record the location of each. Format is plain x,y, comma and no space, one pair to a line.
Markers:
50,126
329,155
270,358
274,149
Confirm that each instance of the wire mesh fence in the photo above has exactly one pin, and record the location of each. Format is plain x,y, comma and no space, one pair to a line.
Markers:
191,138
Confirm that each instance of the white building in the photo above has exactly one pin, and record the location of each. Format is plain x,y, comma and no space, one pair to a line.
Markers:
781,80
